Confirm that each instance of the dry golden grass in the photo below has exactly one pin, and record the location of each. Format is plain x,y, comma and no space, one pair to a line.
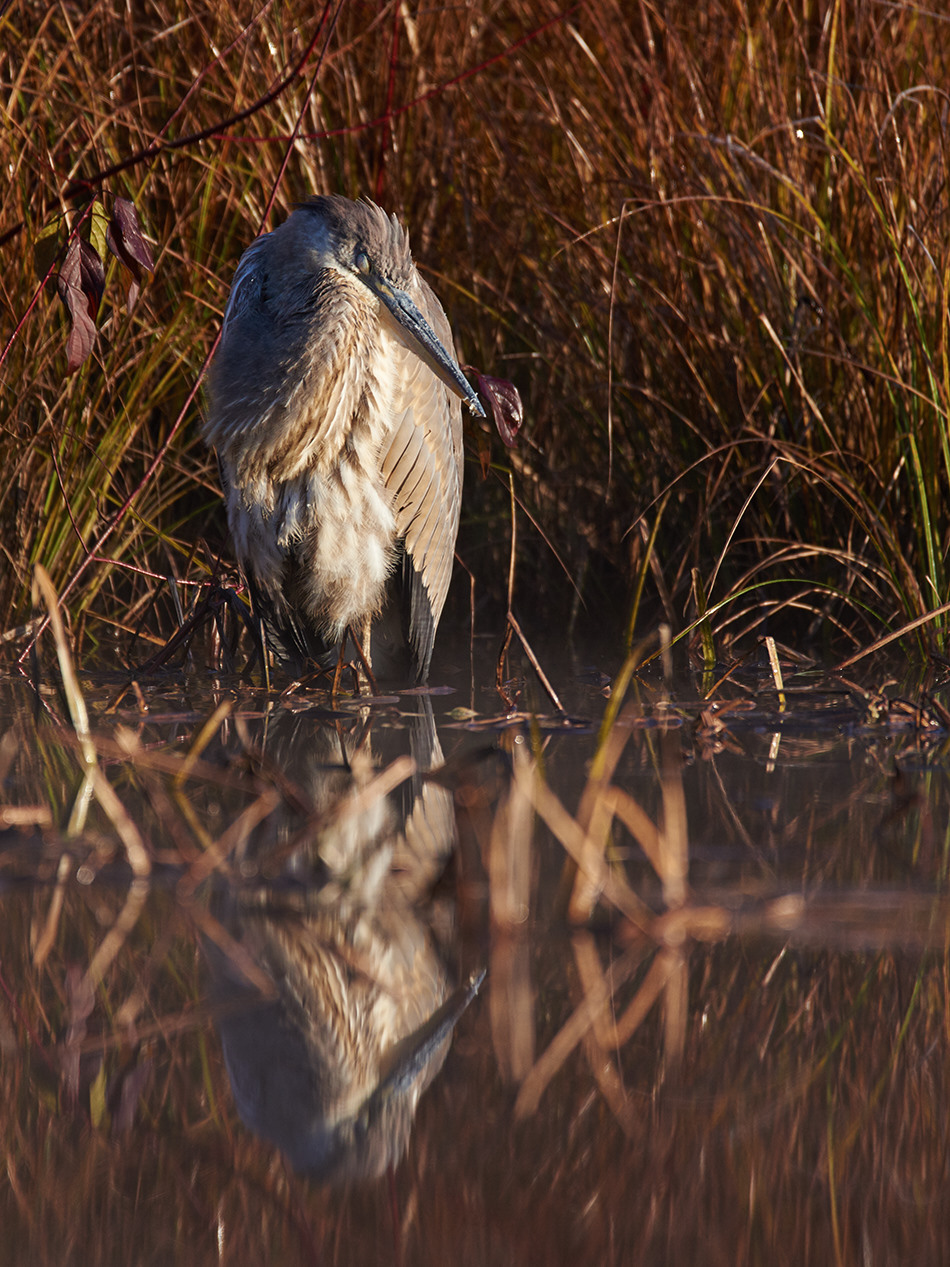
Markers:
709,245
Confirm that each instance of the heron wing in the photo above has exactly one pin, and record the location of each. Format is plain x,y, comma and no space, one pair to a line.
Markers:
422,470
427,811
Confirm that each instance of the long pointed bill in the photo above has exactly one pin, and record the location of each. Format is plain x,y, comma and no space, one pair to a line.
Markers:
426,344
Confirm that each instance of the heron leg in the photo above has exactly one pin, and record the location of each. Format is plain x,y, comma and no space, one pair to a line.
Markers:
362,645
340,662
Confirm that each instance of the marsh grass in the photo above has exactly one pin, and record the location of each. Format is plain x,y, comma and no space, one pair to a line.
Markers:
709,245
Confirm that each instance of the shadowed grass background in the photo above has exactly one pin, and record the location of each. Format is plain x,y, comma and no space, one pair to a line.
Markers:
709,244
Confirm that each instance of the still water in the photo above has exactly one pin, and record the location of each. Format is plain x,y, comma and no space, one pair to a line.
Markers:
419,978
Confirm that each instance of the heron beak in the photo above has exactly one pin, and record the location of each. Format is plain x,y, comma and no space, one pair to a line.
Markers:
401,1063
423,338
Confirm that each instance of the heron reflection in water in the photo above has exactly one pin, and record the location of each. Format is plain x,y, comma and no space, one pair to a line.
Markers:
330,1065
335,410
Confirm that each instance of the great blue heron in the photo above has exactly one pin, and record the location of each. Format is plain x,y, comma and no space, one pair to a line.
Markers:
336,416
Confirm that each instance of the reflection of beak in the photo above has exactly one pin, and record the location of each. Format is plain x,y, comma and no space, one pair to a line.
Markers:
401,1064
423,339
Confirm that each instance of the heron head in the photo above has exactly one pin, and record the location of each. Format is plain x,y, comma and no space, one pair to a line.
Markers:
361,241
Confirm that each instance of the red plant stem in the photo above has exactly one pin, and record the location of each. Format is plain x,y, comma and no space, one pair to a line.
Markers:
151,576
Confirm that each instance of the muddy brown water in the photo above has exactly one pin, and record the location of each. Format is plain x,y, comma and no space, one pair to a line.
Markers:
726,1042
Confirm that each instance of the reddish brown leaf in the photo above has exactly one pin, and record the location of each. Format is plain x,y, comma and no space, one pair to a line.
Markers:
70,273
80,342
92,276
125,240
80,284
505,403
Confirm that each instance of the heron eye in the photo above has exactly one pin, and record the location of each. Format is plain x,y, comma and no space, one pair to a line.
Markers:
361,260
